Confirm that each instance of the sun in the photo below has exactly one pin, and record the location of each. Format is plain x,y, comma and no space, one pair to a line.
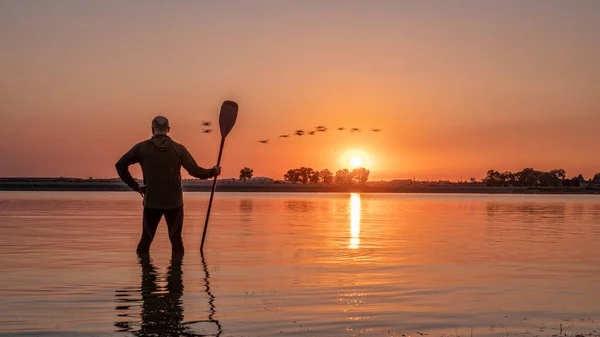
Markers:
356,161
355,158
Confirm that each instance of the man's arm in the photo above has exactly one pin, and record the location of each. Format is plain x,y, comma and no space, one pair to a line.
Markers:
122,166
189,164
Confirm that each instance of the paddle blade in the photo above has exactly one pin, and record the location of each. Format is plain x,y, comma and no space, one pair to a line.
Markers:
227,117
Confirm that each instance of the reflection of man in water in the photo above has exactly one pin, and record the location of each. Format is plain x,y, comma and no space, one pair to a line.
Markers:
162,312
161,160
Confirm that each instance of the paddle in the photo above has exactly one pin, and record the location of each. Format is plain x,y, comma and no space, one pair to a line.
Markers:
227,117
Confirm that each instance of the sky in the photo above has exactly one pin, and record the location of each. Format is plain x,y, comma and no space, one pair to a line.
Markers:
458,87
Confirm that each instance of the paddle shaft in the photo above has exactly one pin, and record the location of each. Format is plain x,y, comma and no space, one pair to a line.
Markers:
212,193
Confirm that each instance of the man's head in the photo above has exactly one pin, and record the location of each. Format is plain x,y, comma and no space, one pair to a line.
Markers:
160,125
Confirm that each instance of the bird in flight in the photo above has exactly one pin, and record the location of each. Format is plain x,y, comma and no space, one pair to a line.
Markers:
207,131
265,141
299,132
321,128
375,130
312,133
342,128
355,130
206,123
284,136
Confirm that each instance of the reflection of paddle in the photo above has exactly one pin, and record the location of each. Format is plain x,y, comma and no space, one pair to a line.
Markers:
227,117
211,301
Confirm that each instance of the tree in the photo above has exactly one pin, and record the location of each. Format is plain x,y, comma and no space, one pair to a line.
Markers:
246,173
559,173
566,182
547,179
361,175
555,177
314,178
509,178
326,176
292,175
574,182
493,178
528,177
343,177
503,177
596,178
305,173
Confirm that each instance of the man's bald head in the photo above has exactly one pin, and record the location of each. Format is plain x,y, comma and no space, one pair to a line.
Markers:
160,125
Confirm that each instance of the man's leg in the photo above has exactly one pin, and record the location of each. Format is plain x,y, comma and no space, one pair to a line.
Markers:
174,219
149,225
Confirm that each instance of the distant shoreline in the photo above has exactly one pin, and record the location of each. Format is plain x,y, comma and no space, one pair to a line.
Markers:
114,185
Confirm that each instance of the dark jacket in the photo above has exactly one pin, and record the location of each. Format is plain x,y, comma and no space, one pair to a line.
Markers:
161,160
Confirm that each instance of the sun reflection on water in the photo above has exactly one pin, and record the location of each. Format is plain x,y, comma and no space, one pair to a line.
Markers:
354,220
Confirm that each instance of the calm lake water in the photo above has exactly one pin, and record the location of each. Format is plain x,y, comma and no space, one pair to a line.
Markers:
302,265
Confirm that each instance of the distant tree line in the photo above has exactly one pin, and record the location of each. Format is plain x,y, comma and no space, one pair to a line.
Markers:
529,177
307,175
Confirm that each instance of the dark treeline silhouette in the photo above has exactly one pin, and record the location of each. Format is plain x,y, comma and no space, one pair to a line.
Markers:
530,177
342,177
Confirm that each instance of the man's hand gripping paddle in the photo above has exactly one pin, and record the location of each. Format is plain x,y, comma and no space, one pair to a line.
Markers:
227,117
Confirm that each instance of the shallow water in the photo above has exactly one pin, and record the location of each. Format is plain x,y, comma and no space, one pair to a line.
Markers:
302,264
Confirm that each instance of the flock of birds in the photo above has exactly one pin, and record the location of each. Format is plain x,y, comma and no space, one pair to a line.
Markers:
319,128
207,124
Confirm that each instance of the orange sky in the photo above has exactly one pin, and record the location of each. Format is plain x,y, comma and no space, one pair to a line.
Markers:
458,87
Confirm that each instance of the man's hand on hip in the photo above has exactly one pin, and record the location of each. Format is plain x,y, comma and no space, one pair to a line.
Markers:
141,190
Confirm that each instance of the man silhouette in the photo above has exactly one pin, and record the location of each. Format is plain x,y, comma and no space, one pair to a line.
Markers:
161,160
